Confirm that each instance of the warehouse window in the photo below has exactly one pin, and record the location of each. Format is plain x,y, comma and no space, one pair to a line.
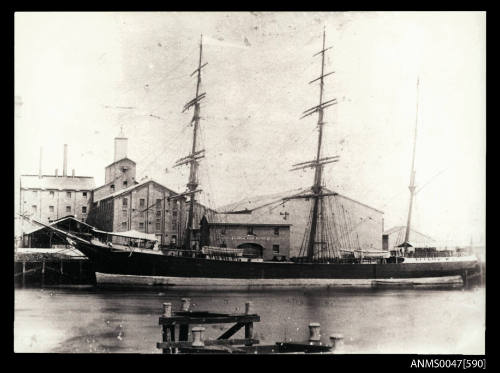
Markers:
174,213
125,184
250,230
158,213
276,231
141,214
158,225
124,212
174,224
112,187
33,208
51,193
276,249
158,203
68,194
84,194
223,230
84,209
51,208
141,225
124,225
142,202
68,208
125,202
35,193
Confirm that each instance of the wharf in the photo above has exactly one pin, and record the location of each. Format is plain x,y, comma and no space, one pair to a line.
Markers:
185,318
32,267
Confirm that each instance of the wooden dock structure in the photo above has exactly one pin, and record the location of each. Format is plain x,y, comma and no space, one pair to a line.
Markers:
182,321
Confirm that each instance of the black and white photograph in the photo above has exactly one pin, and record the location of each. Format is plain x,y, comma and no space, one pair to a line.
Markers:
250,183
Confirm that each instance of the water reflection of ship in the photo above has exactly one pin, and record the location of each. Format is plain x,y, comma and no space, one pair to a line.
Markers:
329,253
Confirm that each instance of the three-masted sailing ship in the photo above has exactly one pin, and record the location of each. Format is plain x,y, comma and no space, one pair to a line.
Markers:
323,259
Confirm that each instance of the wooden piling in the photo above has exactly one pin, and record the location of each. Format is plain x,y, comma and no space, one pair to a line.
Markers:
24,272
314,333
184,328
43,272
186,303
248,326
167,309
168,331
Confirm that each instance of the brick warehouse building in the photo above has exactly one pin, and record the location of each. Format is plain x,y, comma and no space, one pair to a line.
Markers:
261,239
123,204
50,197
144,207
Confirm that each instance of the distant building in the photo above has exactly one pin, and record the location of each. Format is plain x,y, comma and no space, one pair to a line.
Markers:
261,239
363,223
123,204
144,207
47,198
396,236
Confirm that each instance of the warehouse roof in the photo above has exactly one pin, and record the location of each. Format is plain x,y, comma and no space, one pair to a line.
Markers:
416,238
132,187
122,159
57,182
245,219
37,227
252,203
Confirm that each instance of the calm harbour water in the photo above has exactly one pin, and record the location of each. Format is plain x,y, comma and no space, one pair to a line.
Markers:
83,320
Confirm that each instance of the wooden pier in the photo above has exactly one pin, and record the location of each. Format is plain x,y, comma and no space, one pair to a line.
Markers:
184,320
53,271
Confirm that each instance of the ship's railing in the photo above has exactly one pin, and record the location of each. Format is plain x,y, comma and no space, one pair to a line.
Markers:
437,254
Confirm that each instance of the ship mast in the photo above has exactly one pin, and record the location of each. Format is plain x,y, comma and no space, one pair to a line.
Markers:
412,179
193,158
318,163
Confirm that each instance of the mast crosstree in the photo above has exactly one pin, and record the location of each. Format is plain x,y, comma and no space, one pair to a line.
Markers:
193,158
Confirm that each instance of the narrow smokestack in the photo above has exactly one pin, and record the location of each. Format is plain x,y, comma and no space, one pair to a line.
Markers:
56,172
65,161
73,172
40,164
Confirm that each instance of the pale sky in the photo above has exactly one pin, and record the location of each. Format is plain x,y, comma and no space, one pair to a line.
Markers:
73,69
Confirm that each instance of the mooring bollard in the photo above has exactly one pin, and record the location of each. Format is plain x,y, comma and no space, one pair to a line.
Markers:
337,341
198,336
248,308
314,333
185,304
167,309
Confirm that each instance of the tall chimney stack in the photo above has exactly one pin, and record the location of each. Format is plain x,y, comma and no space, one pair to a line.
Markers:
40,164
120,148
65,161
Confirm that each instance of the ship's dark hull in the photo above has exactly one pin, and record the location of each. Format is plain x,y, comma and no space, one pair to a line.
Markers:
200,271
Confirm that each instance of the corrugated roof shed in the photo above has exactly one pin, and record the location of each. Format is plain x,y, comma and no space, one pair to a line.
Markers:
57,182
